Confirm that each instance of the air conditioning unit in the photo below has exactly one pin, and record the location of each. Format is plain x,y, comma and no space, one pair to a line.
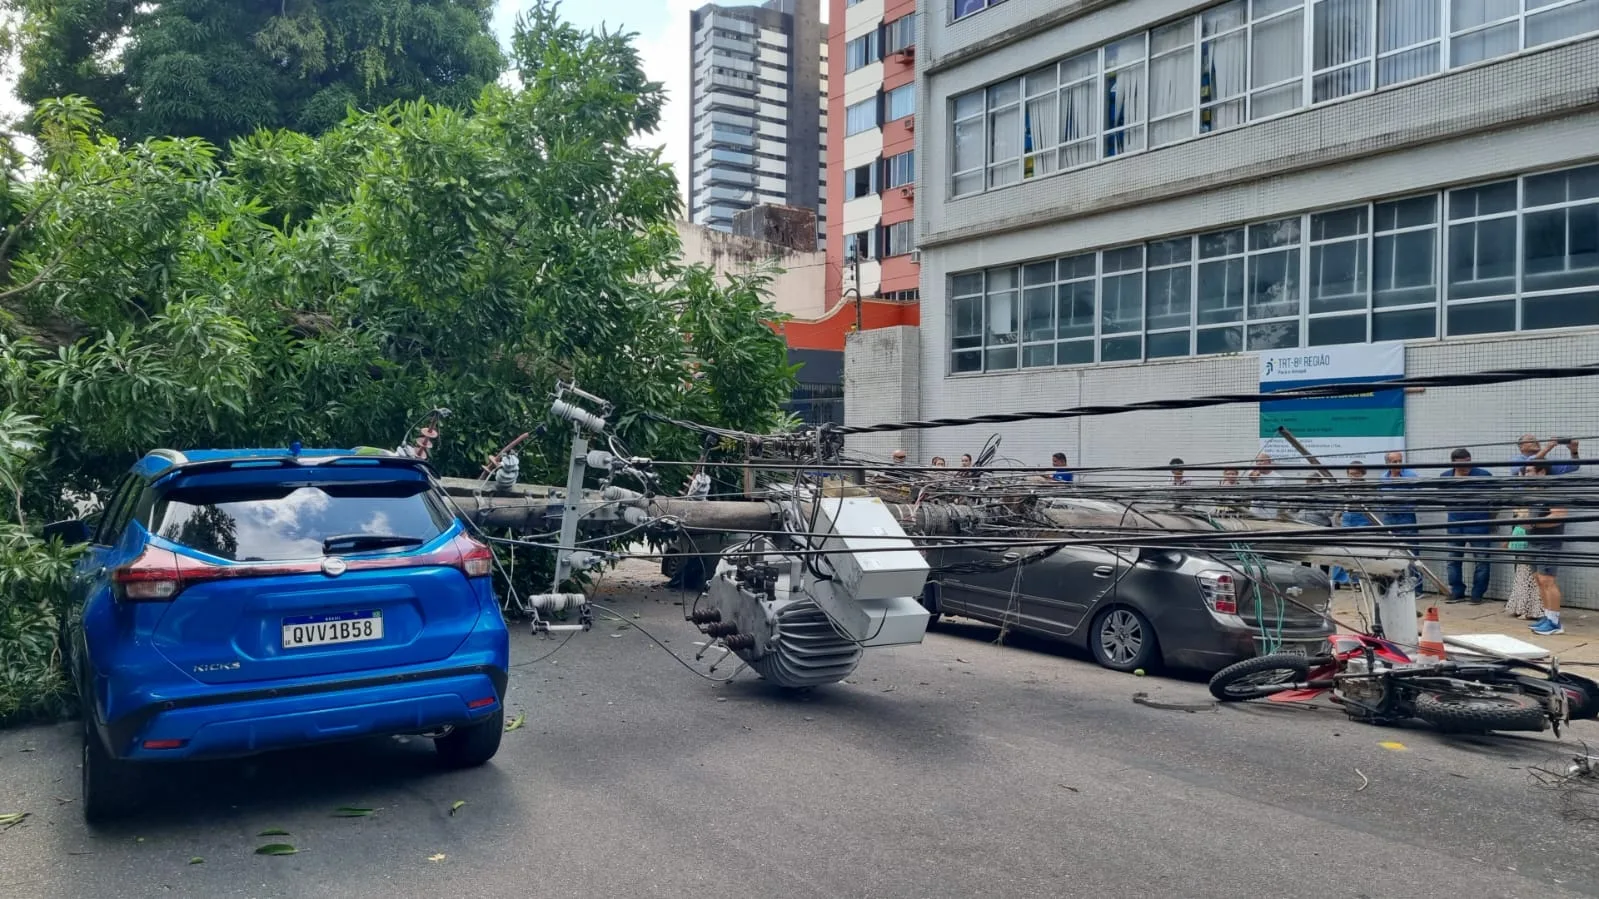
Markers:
910,123
906,54
916,257
908,191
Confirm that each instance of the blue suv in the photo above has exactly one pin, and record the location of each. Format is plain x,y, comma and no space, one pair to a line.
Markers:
235,602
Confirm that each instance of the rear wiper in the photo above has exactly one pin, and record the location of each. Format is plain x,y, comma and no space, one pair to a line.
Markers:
354,543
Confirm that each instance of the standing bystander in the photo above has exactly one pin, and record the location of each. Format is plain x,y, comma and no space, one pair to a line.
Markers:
1058,461
1471,527
1529,451
1400,513
1548,521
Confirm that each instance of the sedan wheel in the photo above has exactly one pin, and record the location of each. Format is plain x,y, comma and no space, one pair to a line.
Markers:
1123,640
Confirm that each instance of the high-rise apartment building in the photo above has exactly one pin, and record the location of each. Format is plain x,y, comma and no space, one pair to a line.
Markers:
757,131
871,160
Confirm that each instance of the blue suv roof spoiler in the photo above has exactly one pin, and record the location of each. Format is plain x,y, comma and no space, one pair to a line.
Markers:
288,461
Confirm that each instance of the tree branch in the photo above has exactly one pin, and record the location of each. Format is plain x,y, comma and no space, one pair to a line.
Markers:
44,272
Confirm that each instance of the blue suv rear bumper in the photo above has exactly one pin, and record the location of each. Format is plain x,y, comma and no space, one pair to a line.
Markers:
245,722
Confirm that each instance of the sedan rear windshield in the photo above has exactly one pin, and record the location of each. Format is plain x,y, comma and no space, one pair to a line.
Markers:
274,522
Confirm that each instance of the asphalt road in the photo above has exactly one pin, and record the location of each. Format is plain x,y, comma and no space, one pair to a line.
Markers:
954,768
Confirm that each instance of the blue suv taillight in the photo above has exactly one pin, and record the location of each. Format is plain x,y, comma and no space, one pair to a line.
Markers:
158,574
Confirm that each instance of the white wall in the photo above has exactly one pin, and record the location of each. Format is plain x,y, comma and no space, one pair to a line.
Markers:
1487,418
796,291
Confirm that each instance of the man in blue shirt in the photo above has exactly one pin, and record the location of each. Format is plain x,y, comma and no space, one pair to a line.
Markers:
1400,514
1530,453
1061,474
1474,525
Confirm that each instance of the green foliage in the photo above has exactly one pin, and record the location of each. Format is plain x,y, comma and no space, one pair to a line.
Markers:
33,581
333,289
219,69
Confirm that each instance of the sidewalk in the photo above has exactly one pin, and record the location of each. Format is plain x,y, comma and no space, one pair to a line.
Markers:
1581,626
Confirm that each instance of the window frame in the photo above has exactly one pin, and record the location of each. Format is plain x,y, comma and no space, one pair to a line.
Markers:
1236,330
1234,21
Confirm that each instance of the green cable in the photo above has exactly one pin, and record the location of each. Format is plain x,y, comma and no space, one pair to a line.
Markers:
1271,637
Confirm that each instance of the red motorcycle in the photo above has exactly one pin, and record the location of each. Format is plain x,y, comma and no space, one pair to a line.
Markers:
1377,682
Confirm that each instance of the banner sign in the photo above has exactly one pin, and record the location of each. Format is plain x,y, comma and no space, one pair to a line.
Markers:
1335,429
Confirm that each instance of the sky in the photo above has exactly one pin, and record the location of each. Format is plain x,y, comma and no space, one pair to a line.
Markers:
662,33
662,38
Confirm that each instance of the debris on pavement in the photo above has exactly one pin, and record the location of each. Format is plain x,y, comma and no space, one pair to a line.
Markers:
1143,699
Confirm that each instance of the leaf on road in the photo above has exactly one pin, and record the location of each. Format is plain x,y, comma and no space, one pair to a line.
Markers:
276,849
515,723
273,832
436,857
197,860
12,819
1396,747
1065,787
457,805
347,811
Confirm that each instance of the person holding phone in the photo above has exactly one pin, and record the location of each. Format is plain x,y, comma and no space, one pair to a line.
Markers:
1530,451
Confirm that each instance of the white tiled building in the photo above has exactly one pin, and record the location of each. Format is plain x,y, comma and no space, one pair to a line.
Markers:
1124,201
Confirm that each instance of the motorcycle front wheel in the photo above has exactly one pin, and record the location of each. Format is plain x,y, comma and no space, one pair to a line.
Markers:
1475,714
1260,677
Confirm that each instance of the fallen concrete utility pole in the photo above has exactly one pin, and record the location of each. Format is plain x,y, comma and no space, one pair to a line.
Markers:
535,509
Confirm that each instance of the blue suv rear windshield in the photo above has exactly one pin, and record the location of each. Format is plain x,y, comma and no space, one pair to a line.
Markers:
275,522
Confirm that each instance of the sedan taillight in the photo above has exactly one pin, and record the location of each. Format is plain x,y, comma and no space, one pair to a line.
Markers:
1219,590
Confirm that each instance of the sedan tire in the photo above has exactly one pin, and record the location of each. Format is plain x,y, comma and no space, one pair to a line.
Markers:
1123,640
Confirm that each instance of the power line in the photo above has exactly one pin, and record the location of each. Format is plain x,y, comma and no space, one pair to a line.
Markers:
1320,391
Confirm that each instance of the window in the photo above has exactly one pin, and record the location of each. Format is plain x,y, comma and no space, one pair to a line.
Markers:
1409,39
860,52
1172,92
1004,133
999,319
1039,129
1079,110
1121,293
246,523
1277,57
1560,249
899,34
860,117
899,102
860,246
1404,257
860,181
1520,254
899,170
1169,297
1271,285
962,8
1338,277
118,511
1482,259
1236,62
1075,304
967,133
1341,53
898,239
1219,292
1125,96
966,323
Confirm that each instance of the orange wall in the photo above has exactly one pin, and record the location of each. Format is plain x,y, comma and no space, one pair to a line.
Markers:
829,331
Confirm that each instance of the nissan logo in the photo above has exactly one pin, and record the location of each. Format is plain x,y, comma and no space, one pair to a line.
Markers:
333,566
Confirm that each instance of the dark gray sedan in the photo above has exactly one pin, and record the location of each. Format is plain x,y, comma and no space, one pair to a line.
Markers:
1138,608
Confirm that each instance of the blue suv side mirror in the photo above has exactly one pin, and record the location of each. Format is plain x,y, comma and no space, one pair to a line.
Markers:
71,532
